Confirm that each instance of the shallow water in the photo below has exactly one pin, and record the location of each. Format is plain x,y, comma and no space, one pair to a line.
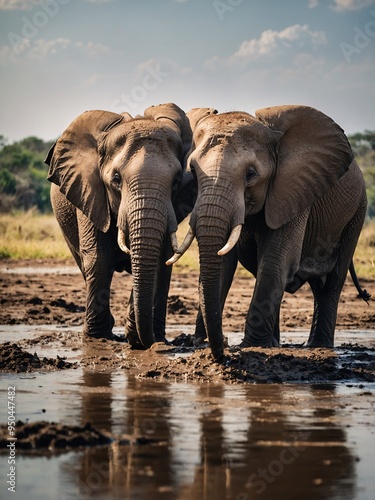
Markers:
22,270
200,441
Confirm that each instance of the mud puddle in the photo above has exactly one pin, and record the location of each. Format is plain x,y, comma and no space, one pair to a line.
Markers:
192,441
41,270
125,424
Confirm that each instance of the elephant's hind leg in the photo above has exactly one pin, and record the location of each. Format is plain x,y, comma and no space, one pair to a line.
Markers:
326,301
326,298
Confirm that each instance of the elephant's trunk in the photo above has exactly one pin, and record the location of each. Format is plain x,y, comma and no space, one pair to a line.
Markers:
147,219
212,228
218,220
144,264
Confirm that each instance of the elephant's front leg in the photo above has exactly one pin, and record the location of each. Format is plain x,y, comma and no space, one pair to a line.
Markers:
279,255
97,255
163,278
262,319
131,333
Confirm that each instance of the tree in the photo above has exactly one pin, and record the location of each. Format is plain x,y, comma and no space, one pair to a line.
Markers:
23,175
363,145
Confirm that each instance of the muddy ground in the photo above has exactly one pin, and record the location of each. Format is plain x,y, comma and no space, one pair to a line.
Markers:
58,299
51,298
47,295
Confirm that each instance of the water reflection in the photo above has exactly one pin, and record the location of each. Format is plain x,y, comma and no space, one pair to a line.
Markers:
212,442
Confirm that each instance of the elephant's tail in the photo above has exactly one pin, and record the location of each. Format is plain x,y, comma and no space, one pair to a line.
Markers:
362,293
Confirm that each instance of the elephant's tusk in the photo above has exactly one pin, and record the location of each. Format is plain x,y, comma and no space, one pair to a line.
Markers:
232,240
121,242
184,246
174,241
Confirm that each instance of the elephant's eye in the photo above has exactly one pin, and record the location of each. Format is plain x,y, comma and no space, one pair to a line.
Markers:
116,179
251,174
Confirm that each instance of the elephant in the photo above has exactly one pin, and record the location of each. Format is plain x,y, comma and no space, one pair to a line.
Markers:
282,193
118,192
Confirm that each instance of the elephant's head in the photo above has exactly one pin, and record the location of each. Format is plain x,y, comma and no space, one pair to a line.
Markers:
123,171
279,162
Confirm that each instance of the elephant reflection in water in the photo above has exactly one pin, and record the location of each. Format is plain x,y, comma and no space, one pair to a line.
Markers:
128,470
249,442
275,457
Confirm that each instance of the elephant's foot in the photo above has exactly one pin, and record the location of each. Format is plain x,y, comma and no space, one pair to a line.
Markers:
110,336
203,342
100,332
134,342
320,343
251,342
200,342
275,342
320,339
217,353
160,337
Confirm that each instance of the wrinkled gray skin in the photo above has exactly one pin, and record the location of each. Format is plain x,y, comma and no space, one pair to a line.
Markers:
112,173
288,177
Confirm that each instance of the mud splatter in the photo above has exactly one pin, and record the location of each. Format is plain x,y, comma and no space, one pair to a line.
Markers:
53,436
277,365
15,359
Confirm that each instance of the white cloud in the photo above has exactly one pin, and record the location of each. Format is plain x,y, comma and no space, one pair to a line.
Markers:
92,80
40,48
304,67
271,42
313,4
30,4
100,1
18,4
343,5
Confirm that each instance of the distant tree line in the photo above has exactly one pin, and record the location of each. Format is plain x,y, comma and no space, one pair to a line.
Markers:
363,145
23,183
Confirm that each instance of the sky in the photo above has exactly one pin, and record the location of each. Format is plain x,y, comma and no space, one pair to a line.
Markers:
59,58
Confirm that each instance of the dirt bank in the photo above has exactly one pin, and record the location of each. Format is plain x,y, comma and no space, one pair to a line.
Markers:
51,298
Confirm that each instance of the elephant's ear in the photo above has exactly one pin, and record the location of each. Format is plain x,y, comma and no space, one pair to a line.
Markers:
74,165
127,116
313,153
174,117
196,115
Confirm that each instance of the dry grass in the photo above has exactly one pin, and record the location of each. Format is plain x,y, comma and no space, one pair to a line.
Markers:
364,257
31,236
